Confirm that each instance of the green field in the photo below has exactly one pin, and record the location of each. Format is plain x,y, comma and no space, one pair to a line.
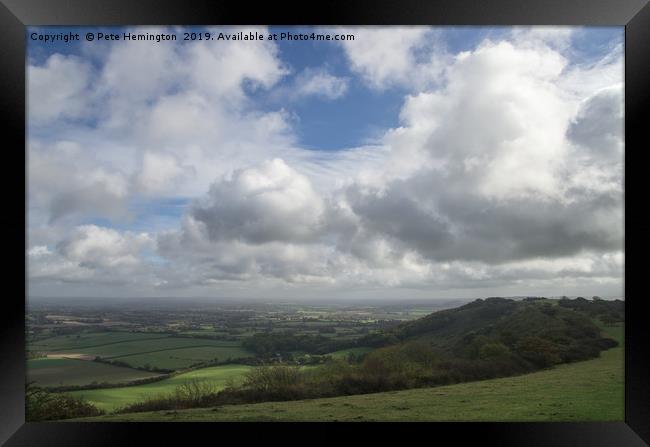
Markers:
584,391
89,340
113,398
66,372
138,349
183,358
342,354
128,348
204,332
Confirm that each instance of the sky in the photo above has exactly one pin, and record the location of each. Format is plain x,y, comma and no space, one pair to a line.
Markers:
410,162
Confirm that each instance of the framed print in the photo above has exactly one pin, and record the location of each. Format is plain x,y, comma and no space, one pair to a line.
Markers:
388,217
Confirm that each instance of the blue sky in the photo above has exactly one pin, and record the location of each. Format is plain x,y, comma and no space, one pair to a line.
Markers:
139,143
361,114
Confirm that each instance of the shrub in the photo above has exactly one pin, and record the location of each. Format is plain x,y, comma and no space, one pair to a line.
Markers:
194,391
493,350
538,351
274,382
41,405
193,394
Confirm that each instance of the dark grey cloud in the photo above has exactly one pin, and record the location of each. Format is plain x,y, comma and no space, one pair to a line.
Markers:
447,223
91,200
402,217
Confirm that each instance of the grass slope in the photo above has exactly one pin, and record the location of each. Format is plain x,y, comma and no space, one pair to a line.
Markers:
112,398
66,372
591,390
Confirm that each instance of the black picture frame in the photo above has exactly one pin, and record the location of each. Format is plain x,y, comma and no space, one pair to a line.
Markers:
15,15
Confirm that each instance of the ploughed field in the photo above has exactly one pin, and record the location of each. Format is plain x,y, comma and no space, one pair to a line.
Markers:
591,390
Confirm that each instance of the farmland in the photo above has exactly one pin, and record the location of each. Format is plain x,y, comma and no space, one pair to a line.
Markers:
53,325
65,372
172,338
499,359
88,340
591,390
144,351
175,359
129,348
135,341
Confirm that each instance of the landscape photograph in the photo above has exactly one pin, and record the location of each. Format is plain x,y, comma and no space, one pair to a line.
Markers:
325,224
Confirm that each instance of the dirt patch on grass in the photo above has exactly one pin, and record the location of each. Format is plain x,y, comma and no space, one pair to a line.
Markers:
71,355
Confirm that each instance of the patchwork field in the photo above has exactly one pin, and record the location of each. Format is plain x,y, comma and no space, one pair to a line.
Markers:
111,398
66,372
592,390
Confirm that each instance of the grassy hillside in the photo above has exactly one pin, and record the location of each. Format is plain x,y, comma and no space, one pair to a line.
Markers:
111,398
590,390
